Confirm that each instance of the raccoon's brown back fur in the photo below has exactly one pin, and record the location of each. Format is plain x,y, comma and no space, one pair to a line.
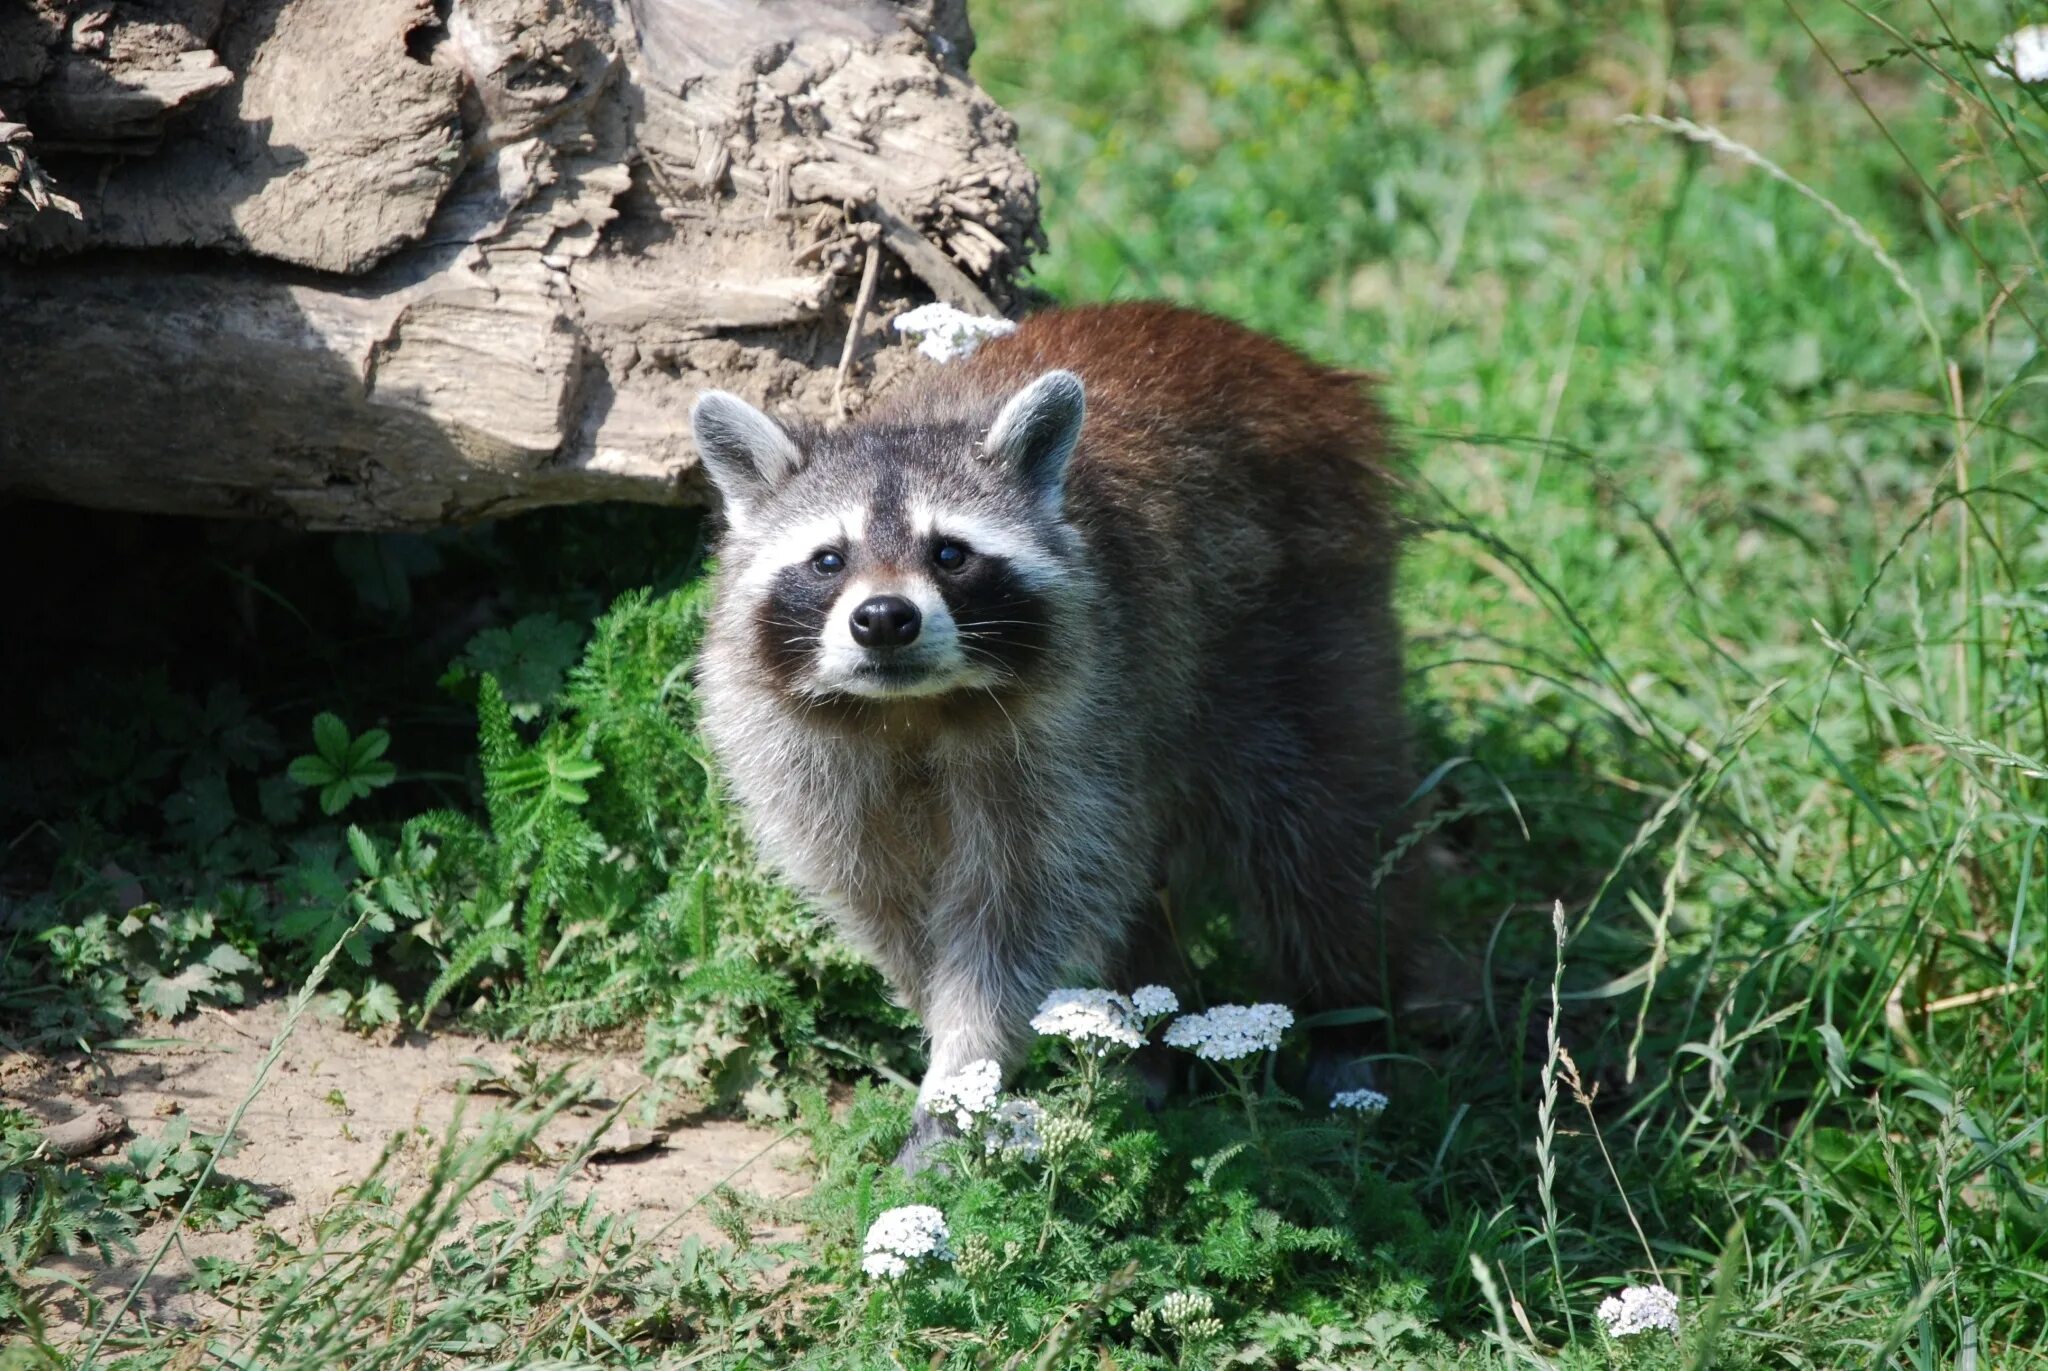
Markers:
1205,687
1239,498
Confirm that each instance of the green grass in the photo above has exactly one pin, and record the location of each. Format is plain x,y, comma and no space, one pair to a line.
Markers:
1733,582
1728,442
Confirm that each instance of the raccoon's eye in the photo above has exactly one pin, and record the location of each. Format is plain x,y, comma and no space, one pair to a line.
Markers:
828,563
950,556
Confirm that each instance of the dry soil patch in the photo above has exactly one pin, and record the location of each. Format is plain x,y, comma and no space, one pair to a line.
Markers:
334,1099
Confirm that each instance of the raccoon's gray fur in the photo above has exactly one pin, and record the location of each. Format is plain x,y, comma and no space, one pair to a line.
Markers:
1105,608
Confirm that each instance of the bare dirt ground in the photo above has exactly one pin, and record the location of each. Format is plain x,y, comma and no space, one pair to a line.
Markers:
334,1100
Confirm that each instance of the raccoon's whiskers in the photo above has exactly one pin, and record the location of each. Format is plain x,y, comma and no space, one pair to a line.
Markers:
971,641
983,657
1016,733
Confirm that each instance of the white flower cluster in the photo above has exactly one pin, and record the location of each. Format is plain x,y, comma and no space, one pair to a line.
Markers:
1362,1101
1639,1309
1064,1134
969,1095
1103,1019
1091,1018
1185,1306
1191,1316
949,334
974,1097
1231,1031
2023,54
1153,1000
1014,1128
901,1236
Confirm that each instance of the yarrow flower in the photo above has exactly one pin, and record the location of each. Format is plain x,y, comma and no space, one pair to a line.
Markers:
1097,1018
968,1095
1231,1031
1064,1134
949,334
1361,1101
1190,1314
884,1266
1639,1309
2023,54
903,1235
1185,1306
1154,1000
1014,1128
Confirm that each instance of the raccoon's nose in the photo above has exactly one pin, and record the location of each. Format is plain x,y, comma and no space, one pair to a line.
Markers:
886,621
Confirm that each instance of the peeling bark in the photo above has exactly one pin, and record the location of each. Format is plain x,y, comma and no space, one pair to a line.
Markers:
378,264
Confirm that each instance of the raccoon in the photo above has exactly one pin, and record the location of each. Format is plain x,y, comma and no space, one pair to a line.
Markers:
1104,610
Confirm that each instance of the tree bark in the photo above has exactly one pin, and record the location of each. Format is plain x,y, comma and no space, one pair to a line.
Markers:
389,264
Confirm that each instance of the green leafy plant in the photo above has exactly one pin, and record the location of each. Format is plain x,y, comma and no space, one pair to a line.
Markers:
343,768
46,1204
607,880
375,1005
528,659
159,1174
169,959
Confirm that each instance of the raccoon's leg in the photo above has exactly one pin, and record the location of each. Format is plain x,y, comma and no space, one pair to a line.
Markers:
888,937
1153,954
1334,942
999,947
975,1005
977,1002
893,944
1308,837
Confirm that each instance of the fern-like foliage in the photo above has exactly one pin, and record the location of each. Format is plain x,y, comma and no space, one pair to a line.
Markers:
46,1205
486,946
606,879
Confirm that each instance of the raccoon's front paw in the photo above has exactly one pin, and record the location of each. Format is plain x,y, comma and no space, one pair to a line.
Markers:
926,1133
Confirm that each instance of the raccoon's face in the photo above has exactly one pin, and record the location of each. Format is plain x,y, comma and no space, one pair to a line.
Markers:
896,561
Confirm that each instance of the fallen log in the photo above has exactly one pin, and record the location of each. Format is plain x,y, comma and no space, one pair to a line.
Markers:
390,264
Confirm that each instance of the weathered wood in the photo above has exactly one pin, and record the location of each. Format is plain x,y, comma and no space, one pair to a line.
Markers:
85,106
431,265
84,1134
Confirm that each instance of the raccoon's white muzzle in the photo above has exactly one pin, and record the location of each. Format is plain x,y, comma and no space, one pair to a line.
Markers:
932,664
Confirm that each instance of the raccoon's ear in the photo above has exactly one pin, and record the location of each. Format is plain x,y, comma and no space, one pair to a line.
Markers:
746,453
1037,430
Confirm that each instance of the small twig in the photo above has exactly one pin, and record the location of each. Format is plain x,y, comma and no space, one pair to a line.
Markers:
929,263
660,173
721,1182
860,314
228,1022
1983,996
86,1134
